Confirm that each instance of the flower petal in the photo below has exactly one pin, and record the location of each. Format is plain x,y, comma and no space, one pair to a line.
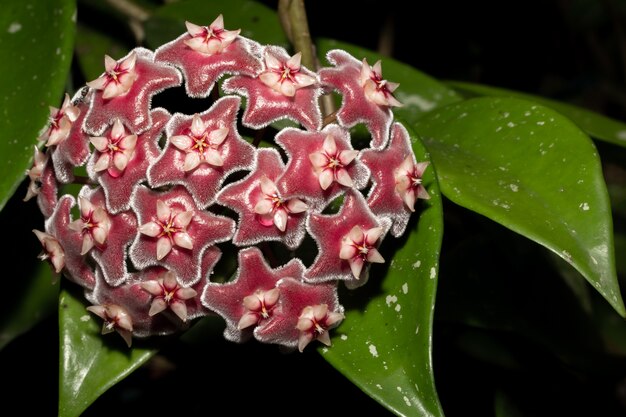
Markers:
100,143
164,246
193,29
326,178
158,305
183,219
163,211
87,244
102,163
343,177
213,157
152,286
180,309
348,251
295,205
248,319
373,234
264,206
192,160
197,126
150,229
280,219
374,256
183,240
182,142
356,266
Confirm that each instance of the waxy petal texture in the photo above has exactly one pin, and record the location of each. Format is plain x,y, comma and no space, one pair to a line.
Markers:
384,198
244,197
302,178
265,105
133,107
205,230
253,275
329,232
356,107
204,181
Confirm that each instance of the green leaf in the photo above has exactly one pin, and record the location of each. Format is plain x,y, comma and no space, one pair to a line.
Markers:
255,20
90,363
418,92
37,298
596,125
532,170
384,344
36,41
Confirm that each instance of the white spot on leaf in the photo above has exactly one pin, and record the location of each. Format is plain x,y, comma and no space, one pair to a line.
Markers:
390,299
14,27
433,273
584,206
373,351
85,317
405,288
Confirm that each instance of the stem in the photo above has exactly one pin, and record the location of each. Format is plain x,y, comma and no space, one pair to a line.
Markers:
293,18
330,119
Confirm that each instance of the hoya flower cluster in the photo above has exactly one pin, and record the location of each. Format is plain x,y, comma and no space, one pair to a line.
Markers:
165,191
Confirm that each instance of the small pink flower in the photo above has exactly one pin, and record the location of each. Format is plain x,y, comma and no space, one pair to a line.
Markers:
94,225
376,89
344,241
202,151
43,183
73,151
366,97
330,164
168,294
60,122
175,233
304,312
40,160
116,232
397,179
52,250
272,208
285,77
358,247
314,324
132,107
259,306
250,299
212,39
115,149
205,54
58,225
115,319
314,162
201,144
283,91
170,228
120,190
263,213
409,181
118,77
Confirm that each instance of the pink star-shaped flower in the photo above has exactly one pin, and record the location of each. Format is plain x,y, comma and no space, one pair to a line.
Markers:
132,107
52,251
204,54
93,224
305,312
113,150
263,213
367,97
331,231
174,233
397,179
73,150
111,234
202,151
60,122
43,183
168,294
116,319
120,187
250,298
320,165
285,90
58,225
